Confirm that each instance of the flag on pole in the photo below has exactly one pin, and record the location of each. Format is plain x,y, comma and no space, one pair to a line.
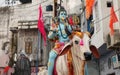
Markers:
113,19
41,25
89,6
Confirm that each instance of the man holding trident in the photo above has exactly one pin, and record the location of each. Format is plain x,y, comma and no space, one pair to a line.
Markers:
60,32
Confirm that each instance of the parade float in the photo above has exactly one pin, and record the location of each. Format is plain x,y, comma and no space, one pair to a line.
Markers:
72,47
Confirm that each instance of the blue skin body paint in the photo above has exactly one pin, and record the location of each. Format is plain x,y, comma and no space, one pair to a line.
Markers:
62,37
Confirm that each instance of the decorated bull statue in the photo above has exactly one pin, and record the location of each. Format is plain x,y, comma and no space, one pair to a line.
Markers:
81,52
71,50
61,30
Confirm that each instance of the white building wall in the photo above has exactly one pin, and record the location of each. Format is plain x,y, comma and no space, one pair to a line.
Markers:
98,32
44,3
101,30
119,7
4,25
30,12
73,6
106,15
101,23
116,4
23,12
4,3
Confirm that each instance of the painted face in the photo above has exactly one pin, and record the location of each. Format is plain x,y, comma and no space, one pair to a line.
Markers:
63,15
81,47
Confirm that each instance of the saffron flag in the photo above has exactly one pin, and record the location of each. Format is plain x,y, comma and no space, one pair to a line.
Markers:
89,6
113,19
41,25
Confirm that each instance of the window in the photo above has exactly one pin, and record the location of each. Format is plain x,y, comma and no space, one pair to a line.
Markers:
115,61
112,74
49,8
109,3
25,1
28,46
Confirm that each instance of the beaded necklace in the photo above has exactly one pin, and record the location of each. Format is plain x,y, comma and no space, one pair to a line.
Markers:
61,30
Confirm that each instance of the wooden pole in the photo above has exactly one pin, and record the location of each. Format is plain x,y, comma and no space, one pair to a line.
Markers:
55,8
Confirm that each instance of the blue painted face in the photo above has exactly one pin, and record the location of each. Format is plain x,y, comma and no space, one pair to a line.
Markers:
63,15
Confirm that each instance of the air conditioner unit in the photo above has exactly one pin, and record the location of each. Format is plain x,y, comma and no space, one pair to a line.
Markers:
113,41
115,61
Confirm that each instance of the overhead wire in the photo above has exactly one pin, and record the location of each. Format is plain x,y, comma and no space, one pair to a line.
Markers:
106,17
28,11
94,20
34,5
51,2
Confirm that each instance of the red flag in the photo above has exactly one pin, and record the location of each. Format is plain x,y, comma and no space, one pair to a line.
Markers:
113,19
41,25
89,5
6,69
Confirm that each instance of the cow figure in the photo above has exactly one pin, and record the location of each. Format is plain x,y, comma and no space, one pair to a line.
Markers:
81,52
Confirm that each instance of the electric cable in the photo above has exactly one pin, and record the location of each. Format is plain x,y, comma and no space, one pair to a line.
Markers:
106,17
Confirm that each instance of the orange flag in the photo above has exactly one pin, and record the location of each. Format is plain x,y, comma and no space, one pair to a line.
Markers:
89,5
113,19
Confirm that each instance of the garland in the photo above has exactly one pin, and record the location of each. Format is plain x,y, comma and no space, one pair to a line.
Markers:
62,33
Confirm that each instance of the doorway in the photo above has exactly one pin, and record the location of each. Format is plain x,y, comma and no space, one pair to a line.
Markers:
111,74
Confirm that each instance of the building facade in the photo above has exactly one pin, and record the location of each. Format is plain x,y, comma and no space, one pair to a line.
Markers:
25,17
19,27
109,51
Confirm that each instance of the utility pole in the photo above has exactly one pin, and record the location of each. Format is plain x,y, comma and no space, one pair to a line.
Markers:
55,8
60,2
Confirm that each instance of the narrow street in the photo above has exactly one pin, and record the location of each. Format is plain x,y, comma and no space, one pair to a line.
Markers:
60,37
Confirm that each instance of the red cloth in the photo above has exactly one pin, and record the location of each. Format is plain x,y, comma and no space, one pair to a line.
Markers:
70,20
89,5
41,25
6,69
113,19
59,46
